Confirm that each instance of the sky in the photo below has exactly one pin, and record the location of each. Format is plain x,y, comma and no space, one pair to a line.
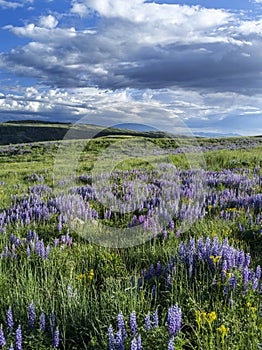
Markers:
158,63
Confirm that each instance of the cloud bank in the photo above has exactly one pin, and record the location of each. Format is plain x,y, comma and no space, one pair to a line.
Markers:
166,51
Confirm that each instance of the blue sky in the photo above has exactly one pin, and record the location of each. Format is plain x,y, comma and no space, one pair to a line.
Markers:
115,61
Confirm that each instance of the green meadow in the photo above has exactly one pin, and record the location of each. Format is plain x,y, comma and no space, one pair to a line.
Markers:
59,283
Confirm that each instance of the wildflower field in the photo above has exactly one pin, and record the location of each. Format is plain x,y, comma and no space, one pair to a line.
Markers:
188,278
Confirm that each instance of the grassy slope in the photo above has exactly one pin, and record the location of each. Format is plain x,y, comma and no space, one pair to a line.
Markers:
89,314
26,132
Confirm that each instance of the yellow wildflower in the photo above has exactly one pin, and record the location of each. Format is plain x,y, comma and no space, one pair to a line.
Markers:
215,259
210,317
91,275
80,277
223,330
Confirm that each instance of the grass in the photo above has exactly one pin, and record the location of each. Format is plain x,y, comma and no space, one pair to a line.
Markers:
87,285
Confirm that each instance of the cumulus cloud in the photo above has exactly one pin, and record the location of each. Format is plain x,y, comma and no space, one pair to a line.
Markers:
48,22
142,45
163,109
201,65
79,9
10,4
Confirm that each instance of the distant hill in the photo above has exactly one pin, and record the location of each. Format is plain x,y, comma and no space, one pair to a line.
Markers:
13,132
214,134
29,131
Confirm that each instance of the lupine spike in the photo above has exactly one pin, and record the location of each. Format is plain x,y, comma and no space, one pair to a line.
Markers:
2,336
121,325
133,325
42,322
56,339
111,338
139,343
147,322
155,319
134,344
171,344
31,318
9,318
18,336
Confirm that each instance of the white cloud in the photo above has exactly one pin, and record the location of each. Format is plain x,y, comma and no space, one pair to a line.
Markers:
201,65
251,27
8,4
48,22
221,112
79,9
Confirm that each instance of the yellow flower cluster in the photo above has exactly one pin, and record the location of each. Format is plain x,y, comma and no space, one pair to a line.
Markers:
83,276
227,274
228,210
223,330
205,316
252,308
215,259
80,277
91,274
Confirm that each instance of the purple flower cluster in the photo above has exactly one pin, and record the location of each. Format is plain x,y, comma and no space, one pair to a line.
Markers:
31,323
230,260
33,245
118,341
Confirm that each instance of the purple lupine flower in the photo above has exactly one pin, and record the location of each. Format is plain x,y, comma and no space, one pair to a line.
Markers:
170,345
232,282
139,343
248,259
56,242
119,341
52,320
258,272
28,252
9,318
2,337
42,322
18,338
133,325
151,270
134,344
121,325
56,339
155,318
147,322
111,338
168,281
31,318
255,284
241,259
154,291
11,347
174,320
47,251
245,274
60,226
